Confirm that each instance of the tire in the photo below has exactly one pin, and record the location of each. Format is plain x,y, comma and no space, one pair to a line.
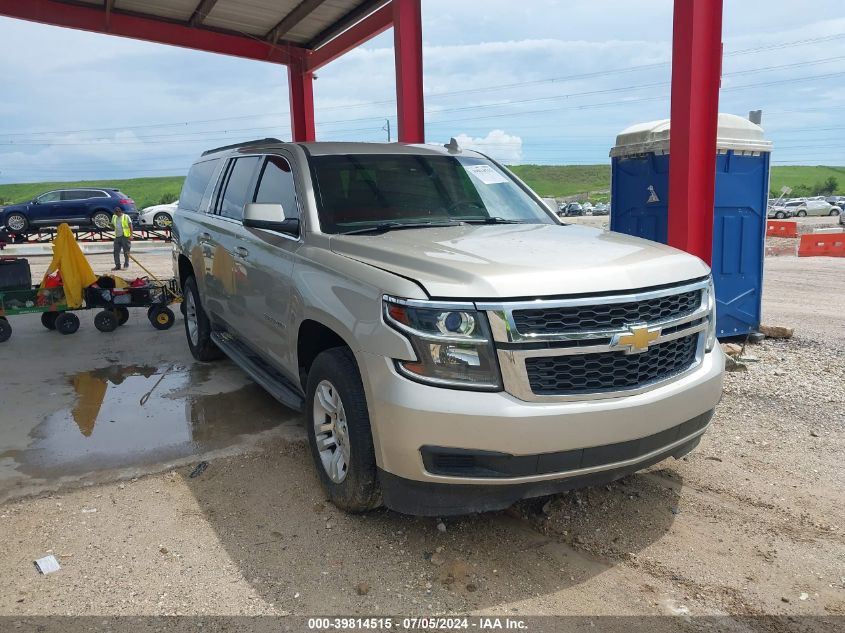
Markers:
17,222
161,317
801,214
197,325
106,321
162,220
780,215
101,220
834,212
343,454
48,319
122,314
67,323
5,330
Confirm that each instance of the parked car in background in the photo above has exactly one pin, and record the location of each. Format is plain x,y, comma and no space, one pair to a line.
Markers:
158,216
588,208
571,209
778,212
78,207
836,201
802,207
602,208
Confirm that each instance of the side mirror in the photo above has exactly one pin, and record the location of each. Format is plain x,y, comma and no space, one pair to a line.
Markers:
270,217
34,201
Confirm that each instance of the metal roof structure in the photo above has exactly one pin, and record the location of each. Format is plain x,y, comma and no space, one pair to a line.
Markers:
305,35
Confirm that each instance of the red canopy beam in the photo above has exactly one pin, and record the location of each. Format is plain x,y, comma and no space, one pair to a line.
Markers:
696,69
97,20
407,47
365,30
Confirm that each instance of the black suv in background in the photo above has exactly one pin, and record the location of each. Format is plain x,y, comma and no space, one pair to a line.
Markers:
78,207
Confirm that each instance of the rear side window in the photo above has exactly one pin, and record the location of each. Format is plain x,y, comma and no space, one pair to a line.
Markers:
97,194
196,183
237,191
275,186
74,195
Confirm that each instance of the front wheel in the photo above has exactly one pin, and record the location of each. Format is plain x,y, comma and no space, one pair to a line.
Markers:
5,330
48,319
197,324
339,431
67,323
162,220
161,317
780,215
101,220
17,222
105,321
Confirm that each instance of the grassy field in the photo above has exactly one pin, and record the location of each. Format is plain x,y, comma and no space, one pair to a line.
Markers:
547,180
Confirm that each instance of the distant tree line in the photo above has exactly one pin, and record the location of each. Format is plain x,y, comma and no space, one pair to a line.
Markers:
826,188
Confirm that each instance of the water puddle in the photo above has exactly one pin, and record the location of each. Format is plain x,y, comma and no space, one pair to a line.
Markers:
130,415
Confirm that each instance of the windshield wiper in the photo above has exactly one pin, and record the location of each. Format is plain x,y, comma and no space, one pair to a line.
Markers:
384,227
491,220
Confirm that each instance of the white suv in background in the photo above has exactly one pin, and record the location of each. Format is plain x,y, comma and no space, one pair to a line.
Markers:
802,207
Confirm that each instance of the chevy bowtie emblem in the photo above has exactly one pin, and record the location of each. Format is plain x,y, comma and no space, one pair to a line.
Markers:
637,339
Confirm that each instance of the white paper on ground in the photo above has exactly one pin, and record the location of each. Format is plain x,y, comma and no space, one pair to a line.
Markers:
47,565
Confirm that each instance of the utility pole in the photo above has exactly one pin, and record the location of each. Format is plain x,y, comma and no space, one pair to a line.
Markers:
386,127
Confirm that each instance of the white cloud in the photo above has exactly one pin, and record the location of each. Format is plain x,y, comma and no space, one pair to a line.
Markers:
499,145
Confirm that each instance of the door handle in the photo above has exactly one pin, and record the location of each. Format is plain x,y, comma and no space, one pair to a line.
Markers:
240,251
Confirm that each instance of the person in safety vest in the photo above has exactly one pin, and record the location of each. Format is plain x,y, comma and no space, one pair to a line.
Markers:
122,237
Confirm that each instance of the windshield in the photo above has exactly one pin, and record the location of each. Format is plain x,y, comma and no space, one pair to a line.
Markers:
356,191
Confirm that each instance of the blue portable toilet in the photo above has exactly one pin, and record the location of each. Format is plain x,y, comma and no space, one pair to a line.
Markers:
640,197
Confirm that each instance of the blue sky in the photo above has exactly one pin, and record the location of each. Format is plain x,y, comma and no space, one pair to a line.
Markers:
530,82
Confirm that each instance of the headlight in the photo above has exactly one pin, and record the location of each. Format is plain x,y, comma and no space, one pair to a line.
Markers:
710,343
453,345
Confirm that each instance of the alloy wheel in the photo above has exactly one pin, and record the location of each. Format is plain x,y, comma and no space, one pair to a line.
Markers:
331,431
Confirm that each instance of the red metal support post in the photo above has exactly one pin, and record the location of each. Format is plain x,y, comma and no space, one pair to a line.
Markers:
407,44
301,91
696,70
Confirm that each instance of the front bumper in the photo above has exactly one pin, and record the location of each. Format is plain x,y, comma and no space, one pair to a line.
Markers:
407,416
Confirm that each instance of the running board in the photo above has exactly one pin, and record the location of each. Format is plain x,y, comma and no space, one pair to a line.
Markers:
272,380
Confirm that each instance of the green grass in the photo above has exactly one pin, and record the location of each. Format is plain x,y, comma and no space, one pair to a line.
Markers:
547,180
145,191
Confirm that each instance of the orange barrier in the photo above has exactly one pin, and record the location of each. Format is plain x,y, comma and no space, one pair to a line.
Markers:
781,228
822,244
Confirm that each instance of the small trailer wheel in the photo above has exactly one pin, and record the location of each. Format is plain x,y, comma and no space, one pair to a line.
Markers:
67,323
122,314
48,319
5,330
106,321
161,317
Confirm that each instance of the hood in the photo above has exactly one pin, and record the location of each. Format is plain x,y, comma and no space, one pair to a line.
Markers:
520,261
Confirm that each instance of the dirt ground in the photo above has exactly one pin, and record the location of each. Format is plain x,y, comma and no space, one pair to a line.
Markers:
751,523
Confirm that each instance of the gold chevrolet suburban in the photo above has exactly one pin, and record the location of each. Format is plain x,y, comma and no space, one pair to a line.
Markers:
454,347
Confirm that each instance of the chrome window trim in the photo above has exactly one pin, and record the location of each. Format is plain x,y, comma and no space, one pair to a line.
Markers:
432,305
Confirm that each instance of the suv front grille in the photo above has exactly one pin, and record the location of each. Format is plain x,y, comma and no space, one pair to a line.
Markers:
607,371
605,316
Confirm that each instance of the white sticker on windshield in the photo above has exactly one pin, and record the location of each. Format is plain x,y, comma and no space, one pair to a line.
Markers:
486,174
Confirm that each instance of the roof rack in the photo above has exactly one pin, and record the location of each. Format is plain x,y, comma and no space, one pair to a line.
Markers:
258,141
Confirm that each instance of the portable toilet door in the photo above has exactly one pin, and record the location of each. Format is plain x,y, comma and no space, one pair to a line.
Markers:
639,206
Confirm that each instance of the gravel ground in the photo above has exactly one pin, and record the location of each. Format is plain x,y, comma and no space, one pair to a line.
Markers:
749,524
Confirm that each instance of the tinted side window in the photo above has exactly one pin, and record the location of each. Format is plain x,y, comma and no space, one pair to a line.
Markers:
196,183
97,194
52,196
276,186
237,191
74,195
